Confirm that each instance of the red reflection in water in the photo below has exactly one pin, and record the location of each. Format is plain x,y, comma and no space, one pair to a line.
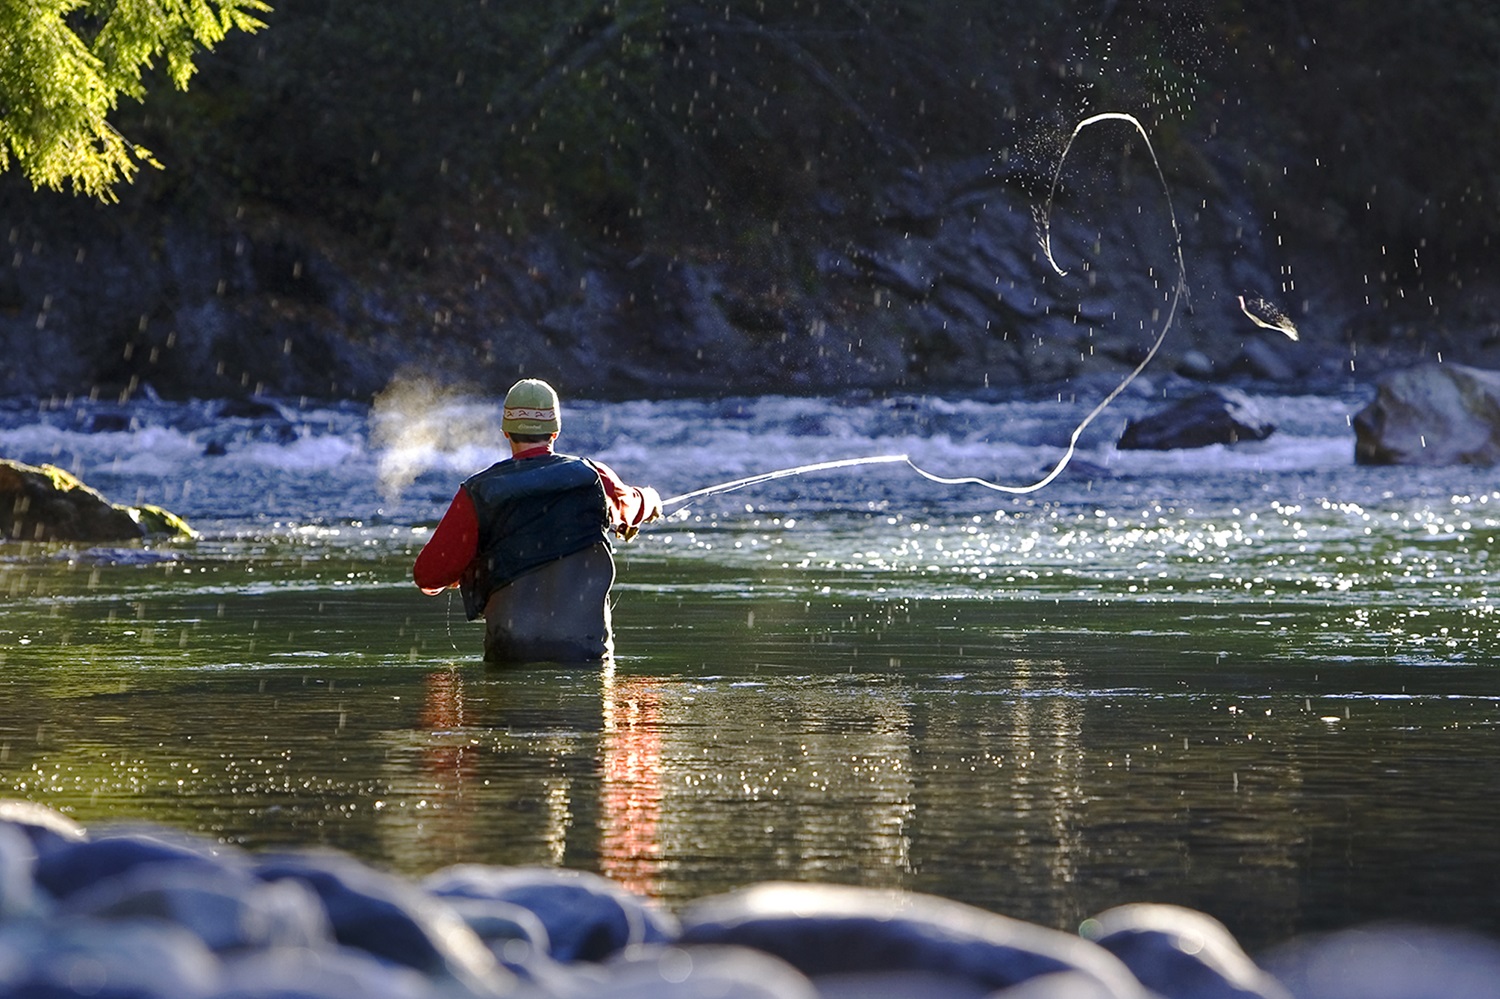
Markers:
630,850
443,713
450,761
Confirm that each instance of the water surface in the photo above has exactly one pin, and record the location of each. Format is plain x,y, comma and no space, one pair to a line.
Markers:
1260,682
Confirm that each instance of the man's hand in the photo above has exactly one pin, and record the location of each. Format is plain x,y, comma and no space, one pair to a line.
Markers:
650,510
650,504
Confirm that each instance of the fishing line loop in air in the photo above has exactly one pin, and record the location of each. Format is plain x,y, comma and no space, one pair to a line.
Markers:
1179,291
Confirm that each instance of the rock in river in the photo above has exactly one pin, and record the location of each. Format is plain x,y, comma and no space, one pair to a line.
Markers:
47,503
1432,414
1218,416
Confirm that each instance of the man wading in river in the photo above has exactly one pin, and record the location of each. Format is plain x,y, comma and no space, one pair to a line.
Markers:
527,541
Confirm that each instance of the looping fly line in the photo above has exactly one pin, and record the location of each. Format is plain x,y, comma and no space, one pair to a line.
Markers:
1179,290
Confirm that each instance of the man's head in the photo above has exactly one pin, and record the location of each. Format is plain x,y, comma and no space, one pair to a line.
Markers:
531,411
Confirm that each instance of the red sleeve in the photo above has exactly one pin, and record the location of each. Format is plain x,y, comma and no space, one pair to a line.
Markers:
451,548
628,506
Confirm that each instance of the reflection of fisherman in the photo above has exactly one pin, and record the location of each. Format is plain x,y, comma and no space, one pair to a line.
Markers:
526,541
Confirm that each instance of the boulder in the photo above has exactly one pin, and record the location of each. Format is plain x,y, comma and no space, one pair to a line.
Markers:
848,938
227,910
320,973
47,503
392,918
1260,359
586,916
1432,414
672,972
46,829
156,521
1389,961
114,853
18,894
1180,954
108,959
1217,416
148,912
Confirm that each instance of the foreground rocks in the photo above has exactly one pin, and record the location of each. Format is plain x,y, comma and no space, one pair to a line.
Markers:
1433,414
150,912
47,503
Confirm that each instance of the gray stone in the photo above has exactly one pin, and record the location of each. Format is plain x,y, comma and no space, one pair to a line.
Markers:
1260,359
1060,985
1389,962
392,918
1218,416
227,910
104,960
513,933
45,828
587,917
78,866
672,972
1181,953
1196,364
846,934
1432,414
18,895
332,973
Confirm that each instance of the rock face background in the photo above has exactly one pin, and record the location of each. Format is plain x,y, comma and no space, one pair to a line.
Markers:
655,198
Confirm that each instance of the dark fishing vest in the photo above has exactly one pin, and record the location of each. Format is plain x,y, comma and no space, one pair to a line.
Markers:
531,511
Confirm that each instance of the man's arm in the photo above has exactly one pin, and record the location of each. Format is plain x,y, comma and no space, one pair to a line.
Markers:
629,506
451,548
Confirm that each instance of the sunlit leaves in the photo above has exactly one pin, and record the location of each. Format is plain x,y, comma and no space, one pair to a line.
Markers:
64,64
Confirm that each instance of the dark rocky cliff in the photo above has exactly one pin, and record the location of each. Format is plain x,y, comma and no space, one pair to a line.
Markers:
656,198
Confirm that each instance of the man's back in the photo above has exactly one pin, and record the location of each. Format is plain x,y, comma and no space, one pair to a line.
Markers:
534,509
557,613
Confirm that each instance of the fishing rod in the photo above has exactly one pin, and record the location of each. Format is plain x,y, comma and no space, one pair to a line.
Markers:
781,473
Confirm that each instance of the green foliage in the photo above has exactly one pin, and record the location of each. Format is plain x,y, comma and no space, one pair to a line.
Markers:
64,64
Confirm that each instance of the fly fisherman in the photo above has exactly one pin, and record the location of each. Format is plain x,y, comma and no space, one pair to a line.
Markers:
527,541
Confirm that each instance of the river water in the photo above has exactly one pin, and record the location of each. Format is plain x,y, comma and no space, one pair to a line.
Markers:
1258,681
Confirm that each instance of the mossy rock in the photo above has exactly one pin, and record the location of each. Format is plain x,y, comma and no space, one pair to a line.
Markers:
47,503
158,522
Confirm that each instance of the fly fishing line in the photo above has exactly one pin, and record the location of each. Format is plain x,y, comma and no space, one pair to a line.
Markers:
1179,291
